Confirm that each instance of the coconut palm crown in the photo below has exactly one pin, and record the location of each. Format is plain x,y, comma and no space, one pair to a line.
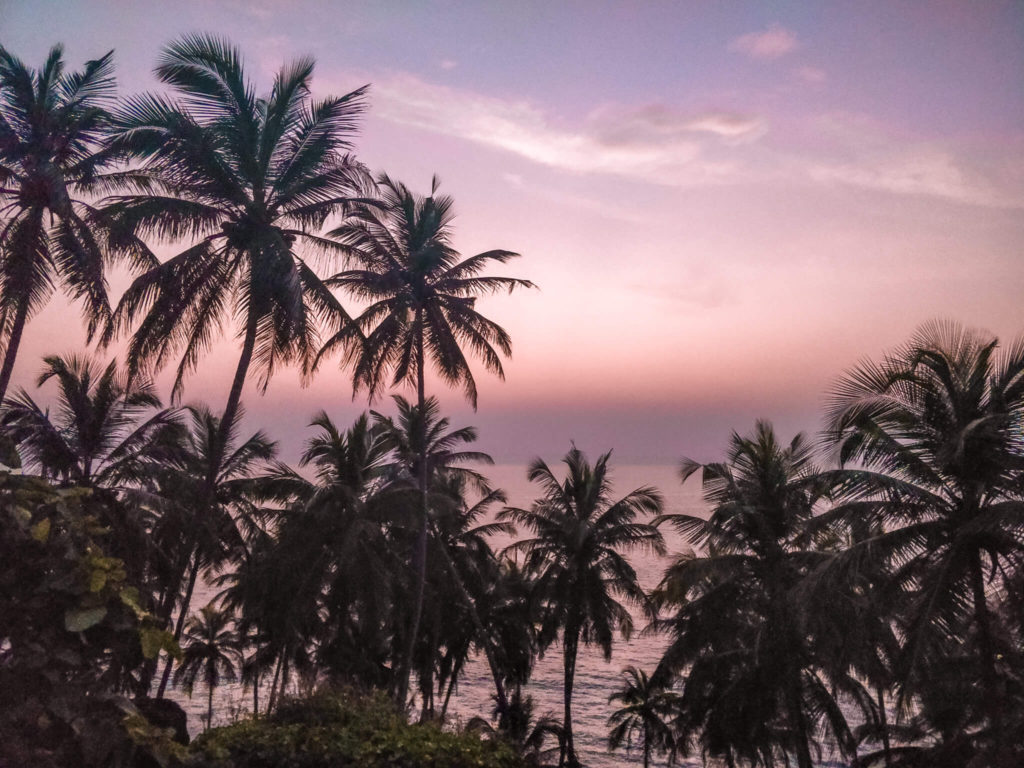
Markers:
933,442
421,294
244,181
579,536
51,127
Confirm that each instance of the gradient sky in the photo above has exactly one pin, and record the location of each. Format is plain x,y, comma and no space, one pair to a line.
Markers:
725,205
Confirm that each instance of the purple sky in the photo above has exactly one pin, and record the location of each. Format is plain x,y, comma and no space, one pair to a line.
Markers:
725,205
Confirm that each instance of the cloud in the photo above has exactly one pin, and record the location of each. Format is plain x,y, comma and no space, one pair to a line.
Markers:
652,142
448,64
858,151
919,171
660,144
658,123
772,43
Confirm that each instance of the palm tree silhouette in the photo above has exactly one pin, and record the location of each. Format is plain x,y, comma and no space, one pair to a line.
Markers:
421,297
752,688
105,432
935,434
426,453
203,524
210,652
579,534
647,707
247,180
330,590
51,129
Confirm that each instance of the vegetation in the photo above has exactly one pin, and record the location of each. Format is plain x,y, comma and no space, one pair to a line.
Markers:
645,715
421,296
344,729
52,126
580,569
860,598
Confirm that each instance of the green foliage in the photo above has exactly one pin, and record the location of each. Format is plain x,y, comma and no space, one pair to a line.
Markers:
71,633
343,729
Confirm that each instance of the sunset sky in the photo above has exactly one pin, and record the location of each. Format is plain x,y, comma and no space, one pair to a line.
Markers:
725,205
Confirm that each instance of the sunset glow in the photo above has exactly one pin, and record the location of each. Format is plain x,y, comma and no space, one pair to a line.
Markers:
724,206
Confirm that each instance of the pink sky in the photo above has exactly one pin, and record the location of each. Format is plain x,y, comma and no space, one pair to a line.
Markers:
725,205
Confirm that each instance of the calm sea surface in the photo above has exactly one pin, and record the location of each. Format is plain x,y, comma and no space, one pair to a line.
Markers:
596,679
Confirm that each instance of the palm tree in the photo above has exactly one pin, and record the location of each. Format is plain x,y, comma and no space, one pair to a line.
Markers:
202,525
421,297
331,590
579,534
646,707
427,458
245,180
528,736
935,435
106,430
753,689
211,652
51,127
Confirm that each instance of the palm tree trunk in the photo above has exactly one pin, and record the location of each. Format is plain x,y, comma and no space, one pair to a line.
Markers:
180,624
209,706
647,746
420,556
18,326
235,395
993,699
273,685
255,693
569,648
803,751
885,727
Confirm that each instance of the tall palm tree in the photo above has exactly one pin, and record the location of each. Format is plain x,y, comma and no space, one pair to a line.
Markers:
647,707
753,690
51,128
428,456
577,553
203,524
244,181
935,436
210,652
422,296
106,430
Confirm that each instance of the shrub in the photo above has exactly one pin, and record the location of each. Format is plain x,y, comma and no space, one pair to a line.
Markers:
343,729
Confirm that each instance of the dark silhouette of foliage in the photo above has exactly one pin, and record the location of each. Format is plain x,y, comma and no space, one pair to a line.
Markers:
579,533
422,296
646,713
753,690
245,181
51,127
932,440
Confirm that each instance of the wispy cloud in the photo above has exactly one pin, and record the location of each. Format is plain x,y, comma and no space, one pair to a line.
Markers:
858,151
448,64
665,145
920,171
653,142
771,43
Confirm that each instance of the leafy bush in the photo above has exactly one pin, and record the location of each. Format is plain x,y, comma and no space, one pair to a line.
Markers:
342,729
71,634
